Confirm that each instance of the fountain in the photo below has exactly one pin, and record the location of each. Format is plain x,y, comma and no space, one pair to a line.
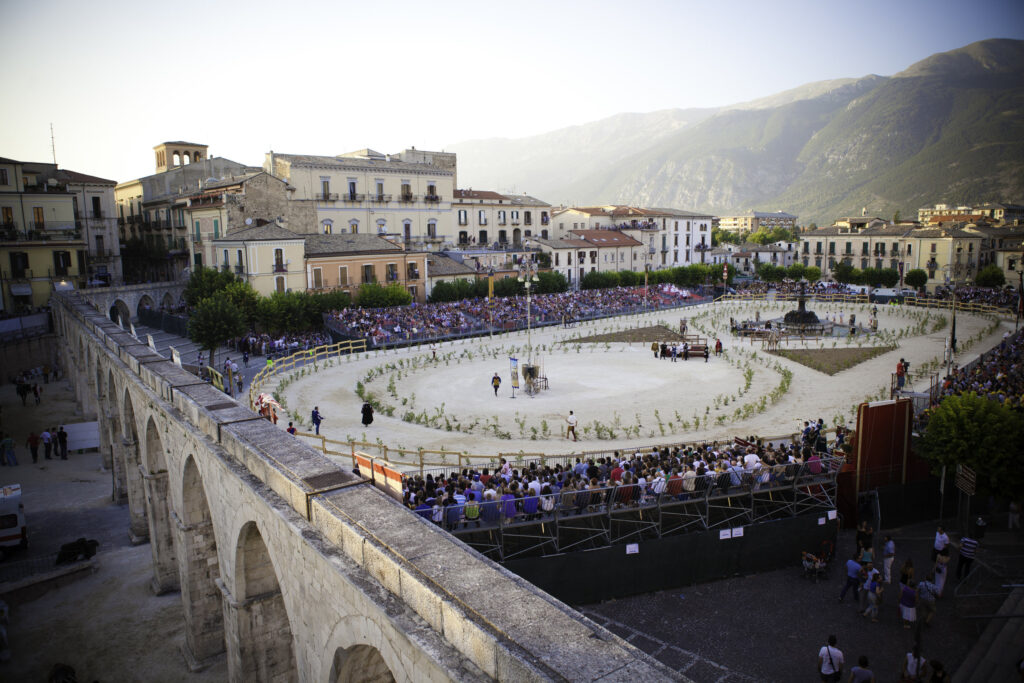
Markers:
802,319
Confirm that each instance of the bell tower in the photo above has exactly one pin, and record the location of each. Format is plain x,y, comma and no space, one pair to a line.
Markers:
173,154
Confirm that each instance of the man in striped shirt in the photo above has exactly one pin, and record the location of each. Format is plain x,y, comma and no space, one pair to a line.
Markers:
968,548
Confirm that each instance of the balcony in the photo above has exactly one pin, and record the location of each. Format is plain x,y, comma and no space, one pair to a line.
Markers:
101,255
280,268
414,274
225,268
240,269
431,198
353,197
326,196
483,221
369,280
408,198
380,198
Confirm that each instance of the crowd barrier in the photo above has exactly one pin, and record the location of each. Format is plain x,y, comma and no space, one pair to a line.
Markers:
319,354
920,302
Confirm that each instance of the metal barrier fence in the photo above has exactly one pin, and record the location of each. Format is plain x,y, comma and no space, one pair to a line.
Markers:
967,307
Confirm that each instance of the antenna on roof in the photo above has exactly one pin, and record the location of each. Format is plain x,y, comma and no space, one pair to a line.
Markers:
53,146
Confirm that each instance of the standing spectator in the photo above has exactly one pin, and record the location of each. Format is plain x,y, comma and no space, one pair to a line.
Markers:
707,353
496,382
908,604
37,392
927,593
901,374
941,541
654,348
861,673
433,350
367,414
245,358
7,451
571,429
62,443
915,667
47,440
316,418
888,557
1013,516
968,549
941,570
830,661
291,429
33,445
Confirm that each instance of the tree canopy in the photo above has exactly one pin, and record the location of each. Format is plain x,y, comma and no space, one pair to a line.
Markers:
205,282
213,321
990,276
916,278
980,433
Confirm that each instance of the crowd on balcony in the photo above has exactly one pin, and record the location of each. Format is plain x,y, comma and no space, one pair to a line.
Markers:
617,481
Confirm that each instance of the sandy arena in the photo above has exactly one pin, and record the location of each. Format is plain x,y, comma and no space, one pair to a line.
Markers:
620,393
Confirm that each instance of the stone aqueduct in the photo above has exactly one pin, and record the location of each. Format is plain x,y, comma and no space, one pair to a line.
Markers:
293,567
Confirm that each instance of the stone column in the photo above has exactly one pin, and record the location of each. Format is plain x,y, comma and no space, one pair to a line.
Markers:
161,540
200,595
118,476
258,638
89,402
138,527
106,450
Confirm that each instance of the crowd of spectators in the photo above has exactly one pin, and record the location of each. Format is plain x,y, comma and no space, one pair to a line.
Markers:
793,287
1005,297
998,375
266,345
616,481
432,320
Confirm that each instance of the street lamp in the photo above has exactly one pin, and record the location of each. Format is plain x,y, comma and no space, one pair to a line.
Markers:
490,298
528,275
953,272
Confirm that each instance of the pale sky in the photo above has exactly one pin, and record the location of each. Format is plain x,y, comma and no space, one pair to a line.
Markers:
117,78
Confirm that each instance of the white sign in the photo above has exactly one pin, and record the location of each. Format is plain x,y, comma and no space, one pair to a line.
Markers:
632,548
831,514
737,532
821,521
723,534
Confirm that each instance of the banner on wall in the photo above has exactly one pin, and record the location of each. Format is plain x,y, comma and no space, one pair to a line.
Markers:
514,363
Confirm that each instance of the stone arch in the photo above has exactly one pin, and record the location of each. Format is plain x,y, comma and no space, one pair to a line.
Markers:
516,236
176,158
167,302
118,476
145,302
261,647
158,512
138,526
199,568
359,663
120,313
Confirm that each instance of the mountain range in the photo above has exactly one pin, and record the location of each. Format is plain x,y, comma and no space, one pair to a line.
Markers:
949,128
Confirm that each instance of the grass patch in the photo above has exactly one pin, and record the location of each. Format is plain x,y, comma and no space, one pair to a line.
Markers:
831,361
652,333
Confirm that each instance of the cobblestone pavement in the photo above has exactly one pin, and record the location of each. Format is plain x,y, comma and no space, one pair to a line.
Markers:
770,626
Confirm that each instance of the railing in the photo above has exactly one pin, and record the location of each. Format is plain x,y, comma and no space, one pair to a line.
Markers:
380,198
431,198
407,198
280,268
353,197
240,269
34,235
315,355
327,196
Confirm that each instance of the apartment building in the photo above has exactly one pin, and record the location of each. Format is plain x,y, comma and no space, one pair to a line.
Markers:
348,261
487,219
752,221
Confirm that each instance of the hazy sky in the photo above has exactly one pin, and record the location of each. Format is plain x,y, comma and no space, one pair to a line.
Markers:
116,78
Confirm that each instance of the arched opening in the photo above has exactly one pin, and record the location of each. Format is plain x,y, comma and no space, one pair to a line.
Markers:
120,313
265,651
186,159
168,302
516,236
196,156
176,157
145,304
138,527
199,569
161,539
119,483
359,663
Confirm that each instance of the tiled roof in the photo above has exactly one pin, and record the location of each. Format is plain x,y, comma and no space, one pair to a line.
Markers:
438,264
478,194
260,233
346,162
525,199
563,243
324,245
606,238
680,213
181,142
76,177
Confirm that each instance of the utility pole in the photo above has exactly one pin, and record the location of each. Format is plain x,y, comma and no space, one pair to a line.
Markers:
53,146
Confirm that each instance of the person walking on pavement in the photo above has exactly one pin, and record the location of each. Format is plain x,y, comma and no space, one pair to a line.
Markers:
62,442
316,418
968,549
571,429
37,392
941,541
367,414
33,445
830,661
245,358
7,451
853,576
496,382
888,557
47,440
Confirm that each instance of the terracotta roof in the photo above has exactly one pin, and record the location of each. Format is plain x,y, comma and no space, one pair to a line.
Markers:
260,233
606,238
324,245
562,243
479,194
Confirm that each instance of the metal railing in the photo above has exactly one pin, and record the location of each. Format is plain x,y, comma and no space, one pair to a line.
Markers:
313,356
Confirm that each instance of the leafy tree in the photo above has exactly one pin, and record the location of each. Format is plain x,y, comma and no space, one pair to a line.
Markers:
990,276
245,300
213,321
796,271
205,282
599,280
916,278
769,272
844,272
511,286
719,236
373,295
980,433
813,273
628,278
551,282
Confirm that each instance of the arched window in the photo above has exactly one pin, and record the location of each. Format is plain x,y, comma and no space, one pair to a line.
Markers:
382,226
280,283
176,158
327,226
406,229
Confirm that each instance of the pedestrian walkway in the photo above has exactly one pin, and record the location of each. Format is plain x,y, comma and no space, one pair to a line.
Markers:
189,351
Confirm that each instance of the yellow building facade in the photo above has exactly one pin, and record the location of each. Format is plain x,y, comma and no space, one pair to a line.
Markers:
269,258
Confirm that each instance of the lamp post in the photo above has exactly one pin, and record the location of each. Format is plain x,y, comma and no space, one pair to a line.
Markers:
953,272
647,294
528,275
490,298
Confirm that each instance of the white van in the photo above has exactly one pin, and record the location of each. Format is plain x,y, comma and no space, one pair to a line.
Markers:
13,532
